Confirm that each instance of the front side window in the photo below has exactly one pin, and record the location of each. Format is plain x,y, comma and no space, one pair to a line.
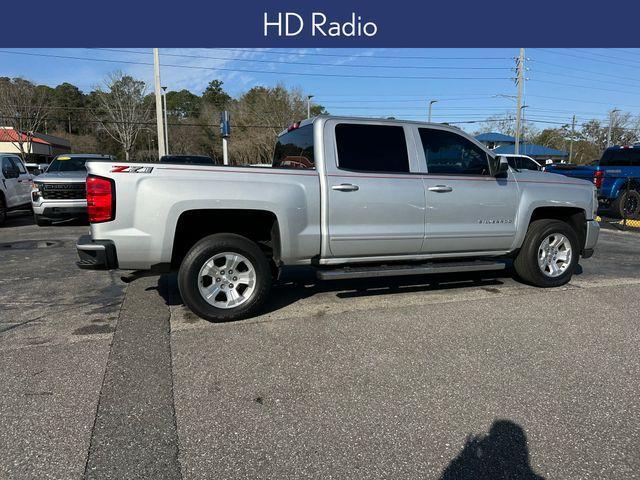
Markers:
295,149
19,164
450,153
372,148
529,164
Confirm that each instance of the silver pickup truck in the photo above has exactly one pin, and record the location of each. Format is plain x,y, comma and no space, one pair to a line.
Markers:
351,197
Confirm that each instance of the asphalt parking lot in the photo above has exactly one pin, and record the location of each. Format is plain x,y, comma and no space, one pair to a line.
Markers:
457,377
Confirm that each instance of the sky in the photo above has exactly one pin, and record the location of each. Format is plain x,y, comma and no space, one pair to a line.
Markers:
470,85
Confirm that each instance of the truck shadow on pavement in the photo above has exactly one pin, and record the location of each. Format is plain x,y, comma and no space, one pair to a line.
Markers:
288,291
500,455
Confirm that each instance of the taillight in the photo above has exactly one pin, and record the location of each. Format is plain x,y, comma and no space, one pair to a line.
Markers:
597,178
101,199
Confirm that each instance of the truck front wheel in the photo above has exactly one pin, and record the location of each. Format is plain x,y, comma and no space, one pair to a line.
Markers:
224,277
549,254
41,222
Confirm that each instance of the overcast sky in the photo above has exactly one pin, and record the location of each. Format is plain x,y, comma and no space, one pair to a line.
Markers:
373,82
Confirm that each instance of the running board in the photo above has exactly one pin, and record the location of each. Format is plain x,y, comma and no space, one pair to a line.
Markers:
409,269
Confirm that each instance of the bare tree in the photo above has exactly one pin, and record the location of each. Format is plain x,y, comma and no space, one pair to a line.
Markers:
506,124
122,111
24,108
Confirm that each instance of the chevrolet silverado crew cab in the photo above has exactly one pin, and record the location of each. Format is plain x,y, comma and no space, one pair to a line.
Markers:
59,193
15,185
351,197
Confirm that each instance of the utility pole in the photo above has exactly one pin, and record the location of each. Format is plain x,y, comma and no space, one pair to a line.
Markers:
158,92
166,124
573,134
309,97
520,83
612,117
431,102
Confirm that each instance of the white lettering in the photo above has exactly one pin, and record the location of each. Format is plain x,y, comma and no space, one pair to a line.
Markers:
268,24
297,17
315,25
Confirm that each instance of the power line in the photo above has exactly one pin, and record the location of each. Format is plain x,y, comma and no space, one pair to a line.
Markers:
323,54
634,79
285,62
582,86
307,74
585,58
580,77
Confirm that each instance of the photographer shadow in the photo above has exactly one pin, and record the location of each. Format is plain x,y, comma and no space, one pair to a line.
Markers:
500,455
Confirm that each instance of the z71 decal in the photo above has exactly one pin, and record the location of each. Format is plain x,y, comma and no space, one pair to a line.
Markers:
130,169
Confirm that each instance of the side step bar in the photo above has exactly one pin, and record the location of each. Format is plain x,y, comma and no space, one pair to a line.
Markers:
411,269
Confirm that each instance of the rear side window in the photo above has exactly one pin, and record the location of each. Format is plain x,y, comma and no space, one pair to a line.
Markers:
372,148
295,149
450,153
621,157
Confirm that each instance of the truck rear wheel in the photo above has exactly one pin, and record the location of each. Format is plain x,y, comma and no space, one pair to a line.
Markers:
224,277
549,254
627,205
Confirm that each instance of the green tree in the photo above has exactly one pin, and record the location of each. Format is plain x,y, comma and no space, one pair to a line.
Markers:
215,96
183,104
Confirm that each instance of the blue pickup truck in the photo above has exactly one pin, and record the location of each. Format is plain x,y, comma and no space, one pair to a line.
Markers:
617,177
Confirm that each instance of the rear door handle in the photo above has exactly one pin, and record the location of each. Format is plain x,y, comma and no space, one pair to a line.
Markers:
441,188
345,187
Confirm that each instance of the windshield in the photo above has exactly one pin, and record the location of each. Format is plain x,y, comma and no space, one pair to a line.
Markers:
67,164
621,157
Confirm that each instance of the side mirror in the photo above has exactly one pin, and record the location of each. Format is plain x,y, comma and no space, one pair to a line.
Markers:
503,166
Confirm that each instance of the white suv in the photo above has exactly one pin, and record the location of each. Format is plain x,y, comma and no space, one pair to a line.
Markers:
15,185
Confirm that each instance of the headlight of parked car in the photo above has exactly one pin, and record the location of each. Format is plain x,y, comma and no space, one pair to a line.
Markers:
35,192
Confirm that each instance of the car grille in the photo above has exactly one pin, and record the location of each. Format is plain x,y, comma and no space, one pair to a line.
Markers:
63,191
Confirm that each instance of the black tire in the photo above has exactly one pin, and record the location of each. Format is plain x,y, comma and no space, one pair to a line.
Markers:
526,262
627,205
202,252
41,222
3,211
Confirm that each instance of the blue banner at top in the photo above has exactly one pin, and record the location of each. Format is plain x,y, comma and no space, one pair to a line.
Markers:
330,23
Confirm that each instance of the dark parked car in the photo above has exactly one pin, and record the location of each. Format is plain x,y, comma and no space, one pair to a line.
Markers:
189,159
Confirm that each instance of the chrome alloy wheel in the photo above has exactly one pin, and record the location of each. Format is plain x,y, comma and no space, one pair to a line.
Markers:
227,280
554,255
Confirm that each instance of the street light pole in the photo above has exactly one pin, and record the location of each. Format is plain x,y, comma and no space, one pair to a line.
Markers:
159,122
431,102
612,117
309,97
166,124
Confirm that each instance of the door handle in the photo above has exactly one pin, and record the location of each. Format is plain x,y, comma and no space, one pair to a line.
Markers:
345,187
441,188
